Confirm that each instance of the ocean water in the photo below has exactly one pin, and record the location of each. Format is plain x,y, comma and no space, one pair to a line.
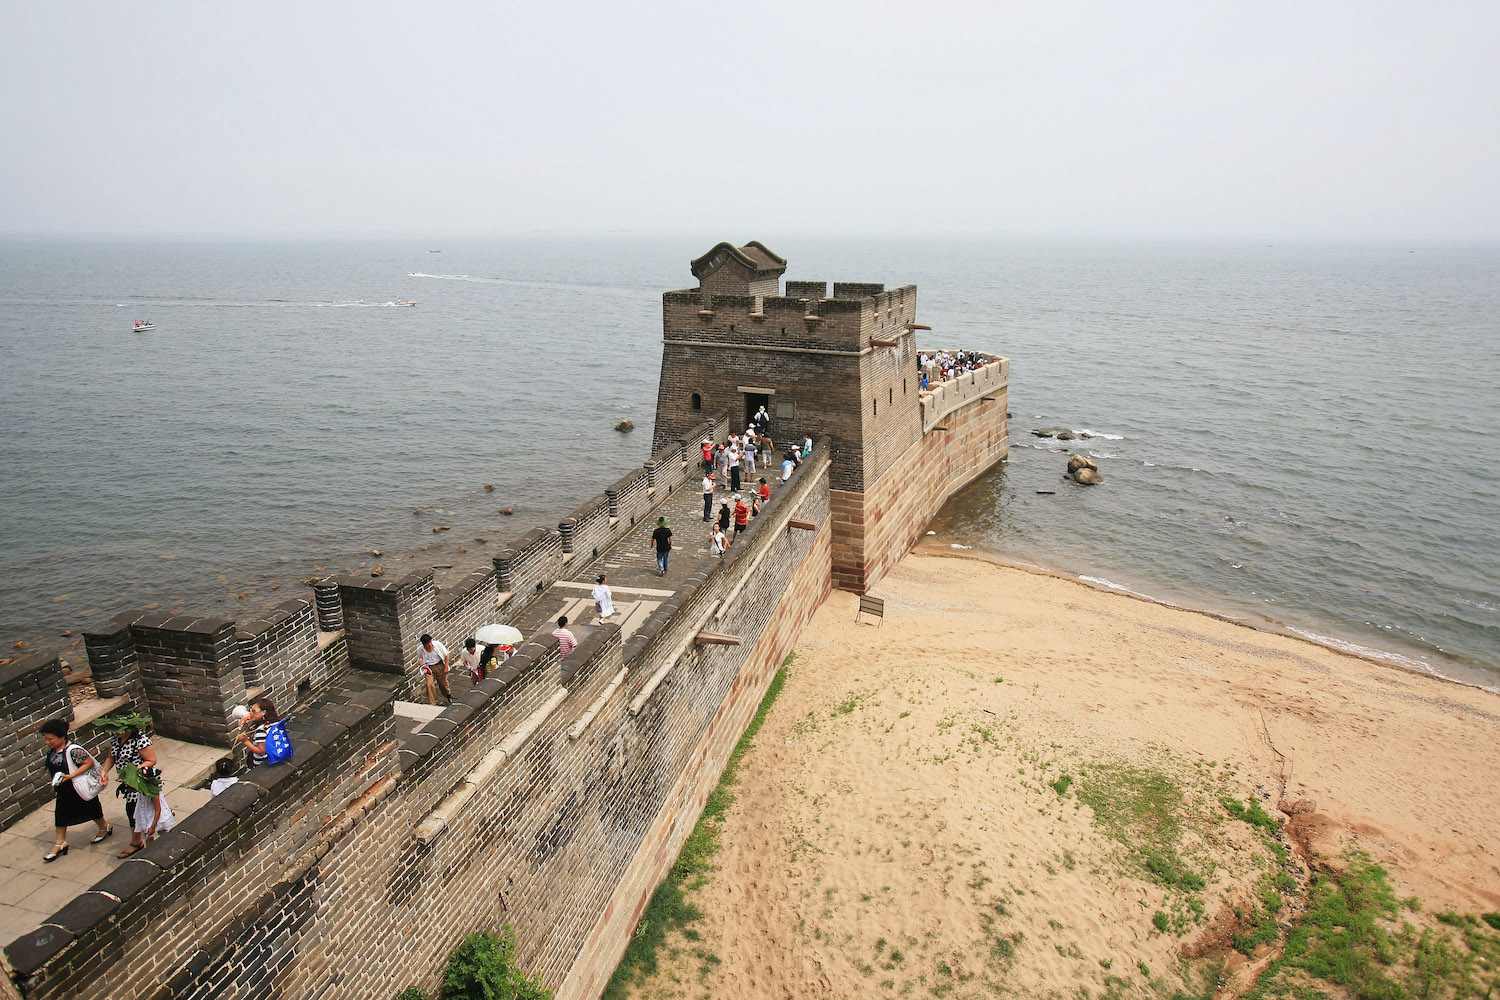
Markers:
1299,436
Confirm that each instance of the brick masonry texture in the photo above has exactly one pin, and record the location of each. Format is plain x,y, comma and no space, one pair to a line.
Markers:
32,690
556,794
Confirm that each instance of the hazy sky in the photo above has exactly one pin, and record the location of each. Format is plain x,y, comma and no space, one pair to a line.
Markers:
1363,120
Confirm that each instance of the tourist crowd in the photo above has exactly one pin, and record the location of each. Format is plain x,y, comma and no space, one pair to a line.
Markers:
940,366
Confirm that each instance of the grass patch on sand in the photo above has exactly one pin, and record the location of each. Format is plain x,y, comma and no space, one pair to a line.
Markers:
669,908
1141,809
1347,944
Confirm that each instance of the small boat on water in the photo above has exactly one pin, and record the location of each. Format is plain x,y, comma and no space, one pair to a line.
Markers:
142,325
434,251
405,302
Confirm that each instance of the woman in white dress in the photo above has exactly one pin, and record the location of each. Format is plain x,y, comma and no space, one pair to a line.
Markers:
604,601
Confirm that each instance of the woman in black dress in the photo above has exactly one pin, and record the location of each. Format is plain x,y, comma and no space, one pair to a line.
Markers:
67,760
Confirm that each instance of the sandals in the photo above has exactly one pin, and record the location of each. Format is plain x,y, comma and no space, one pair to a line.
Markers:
103,836
58,850
132,849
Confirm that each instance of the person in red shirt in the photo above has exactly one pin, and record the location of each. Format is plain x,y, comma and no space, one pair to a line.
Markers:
741,515
708,455
765,490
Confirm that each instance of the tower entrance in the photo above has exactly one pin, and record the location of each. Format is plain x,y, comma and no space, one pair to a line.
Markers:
754,401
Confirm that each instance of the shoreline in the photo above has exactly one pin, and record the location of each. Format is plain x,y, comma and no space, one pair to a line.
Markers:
1347,647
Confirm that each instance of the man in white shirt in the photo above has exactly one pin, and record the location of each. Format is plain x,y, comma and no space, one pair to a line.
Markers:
708,497
435,668
734,465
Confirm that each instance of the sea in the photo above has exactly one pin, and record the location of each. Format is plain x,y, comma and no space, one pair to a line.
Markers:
1300,437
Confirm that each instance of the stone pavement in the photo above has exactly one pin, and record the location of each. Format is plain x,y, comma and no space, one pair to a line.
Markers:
32,890
631,567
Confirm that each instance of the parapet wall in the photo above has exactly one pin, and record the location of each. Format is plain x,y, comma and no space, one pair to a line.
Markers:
552,797
875,528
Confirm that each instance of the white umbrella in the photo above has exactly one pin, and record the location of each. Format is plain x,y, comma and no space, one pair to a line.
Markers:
499,635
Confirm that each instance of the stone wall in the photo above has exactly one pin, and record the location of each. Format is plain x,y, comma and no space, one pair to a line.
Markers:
464,606
32,690
279,652
551,797
529,565
191,671
875,528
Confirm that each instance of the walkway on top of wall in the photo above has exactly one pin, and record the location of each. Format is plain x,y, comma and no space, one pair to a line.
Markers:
630,565
32,890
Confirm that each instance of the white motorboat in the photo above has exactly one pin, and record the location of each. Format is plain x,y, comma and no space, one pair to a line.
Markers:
405,302
142,325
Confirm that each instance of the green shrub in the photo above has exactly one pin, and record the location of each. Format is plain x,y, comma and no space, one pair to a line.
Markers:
482,967
1160,921
412,993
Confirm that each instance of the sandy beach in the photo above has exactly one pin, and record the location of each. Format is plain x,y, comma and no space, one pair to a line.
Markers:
1021,785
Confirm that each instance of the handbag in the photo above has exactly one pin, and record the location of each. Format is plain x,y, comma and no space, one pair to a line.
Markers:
87,783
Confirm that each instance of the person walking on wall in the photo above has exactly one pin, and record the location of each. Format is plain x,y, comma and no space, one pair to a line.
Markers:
71,765
741,515
708,496
472,660
129,746
767,448
752,445
153,817
661,538
566,640
734,458
254,729
718,544
762,418
708,456
725,517
604,599
435,660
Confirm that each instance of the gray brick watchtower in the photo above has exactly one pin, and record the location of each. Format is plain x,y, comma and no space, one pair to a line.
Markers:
844,365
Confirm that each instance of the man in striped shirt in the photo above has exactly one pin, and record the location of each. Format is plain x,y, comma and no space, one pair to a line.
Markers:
566,641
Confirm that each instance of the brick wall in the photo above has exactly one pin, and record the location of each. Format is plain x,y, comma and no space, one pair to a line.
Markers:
32,690
190,669
384,621
587,531
539,799
528,566
112,659
630,498
875,528
464,606
279,651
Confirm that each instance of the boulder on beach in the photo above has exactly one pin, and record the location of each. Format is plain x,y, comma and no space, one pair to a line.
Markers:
1076,462
625,425
1064,435
1088,477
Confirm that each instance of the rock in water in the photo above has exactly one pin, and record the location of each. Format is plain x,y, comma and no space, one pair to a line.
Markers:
489,487
1088,477
1076,462
1041,432
378,571
625,425
1064,435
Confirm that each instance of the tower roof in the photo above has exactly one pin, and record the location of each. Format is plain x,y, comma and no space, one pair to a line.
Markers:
754,256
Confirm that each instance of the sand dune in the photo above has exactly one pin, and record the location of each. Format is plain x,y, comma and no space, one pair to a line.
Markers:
968,799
